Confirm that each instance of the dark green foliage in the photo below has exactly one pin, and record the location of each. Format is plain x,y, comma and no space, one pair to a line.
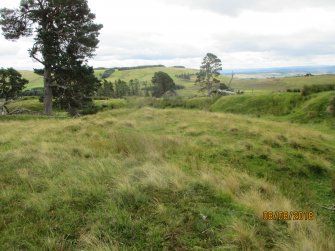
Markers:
162,83
293,90
106,89
134,86
209,71
179,87
185,76
307,90
39,72
11,83
75,87
33,92
121,89
147,89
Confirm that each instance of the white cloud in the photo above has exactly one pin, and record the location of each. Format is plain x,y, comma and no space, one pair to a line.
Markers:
242,33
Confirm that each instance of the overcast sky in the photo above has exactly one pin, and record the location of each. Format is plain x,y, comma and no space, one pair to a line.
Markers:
243,33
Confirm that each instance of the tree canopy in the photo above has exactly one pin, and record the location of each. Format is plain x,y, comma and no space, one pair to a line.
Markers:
11,83
162,83
65,36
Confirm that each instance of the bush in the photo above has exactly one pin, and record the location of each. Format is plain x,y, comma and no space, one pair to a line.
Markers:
310,89
293,90
33,92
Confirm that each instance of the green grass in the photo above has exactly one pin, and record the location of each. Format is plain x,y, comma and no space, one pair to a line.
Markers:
284,106
110,103
34,79
259,104
171,179
30,103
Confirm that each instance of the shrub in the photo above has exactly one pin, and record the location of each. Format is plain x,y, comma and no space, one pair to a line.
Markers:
310,89
293,90
33,92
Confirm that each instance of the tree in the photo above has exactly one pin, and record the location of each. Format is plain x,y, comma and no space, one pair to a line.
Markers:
134,85
78,84
209,71
11,85
121,89
106,89
162,83
65,33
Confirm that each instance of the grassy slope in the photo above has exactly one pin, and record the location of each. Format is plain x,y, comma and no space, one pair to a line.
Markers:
290,106
147,179
34,79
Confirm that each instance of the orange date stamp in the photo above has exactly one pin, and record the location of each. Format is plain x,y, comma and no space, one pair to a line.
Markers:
288,216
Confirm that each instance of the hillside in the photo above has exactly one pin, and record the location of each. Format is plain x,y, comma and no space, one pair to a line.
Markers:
145,179
289,106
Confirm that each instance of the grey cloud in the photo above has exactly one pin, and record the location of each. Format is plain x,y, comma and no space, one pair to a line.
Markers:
228,7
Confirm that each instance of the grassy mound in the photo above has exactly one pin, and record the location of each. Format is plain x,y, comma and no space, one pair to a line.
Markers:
277,104
163,179
288,106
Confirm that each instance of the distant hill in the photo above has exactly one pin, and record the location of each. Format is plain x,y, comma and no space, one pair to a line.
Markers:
283,71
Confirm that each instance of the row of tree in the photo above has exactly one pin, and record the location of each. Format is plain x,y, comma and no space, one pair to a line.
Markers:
185,76
161,83
120,88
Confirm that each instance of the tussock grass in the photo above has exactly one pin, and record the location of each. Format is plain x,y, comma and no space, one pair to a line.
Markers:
178,180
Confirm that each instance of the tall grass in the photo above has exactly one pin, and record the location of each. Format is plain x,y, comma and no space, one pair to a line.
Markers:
149,179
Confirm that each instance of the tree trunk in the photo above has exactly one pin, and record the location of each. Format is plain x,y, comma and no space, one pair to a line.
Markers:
47,92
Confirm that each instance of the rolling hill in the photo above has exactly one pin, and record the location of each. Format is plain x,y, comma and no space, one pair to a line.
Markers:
246,84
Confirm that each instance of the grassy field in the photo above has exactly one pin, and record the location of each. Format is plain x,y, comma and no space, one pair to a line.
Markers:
141,178
171,174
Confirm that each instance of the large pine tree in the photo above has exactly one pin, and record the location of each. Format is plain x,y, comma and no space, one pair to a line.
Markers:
64,32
